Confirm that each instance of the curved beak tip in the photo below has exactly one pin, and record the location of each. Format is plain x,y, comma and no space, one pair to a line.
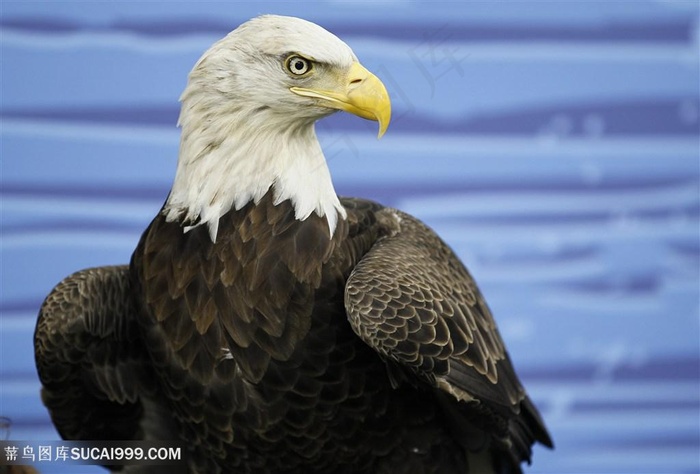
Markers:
379,106
383,126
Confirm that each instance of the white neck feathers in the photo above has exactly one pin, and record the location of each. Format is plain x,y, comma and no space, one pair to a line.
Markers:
235,159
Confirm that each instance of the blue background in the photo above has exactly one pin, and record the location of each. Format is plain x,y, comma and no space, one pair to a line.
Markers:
554,145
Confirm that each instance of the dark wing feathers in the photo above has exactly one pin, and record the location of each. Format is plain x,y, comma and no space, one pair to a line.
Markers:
409,298
89,357
413,301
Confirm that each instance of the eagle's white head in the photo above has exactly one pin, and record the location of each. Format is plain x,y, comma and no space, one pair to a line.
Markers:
248,115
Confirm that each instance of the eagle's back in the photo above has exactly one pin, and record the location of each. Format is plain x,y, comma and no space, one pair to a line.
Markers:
254,353
249,339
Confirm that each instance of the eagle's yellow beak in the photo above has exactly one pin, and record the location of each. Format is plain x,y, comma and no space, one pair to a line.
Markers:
359,92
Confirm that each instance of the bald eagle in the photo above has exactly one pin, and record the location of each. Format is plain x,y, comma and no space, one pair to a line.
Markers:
271,325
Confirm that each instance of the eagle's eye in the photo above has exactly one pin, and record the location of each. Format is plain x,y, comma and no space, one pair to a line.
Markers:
298,65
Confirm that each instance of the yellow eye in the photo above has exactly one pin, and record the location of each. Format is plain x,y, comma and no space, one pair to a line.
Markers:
298,65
